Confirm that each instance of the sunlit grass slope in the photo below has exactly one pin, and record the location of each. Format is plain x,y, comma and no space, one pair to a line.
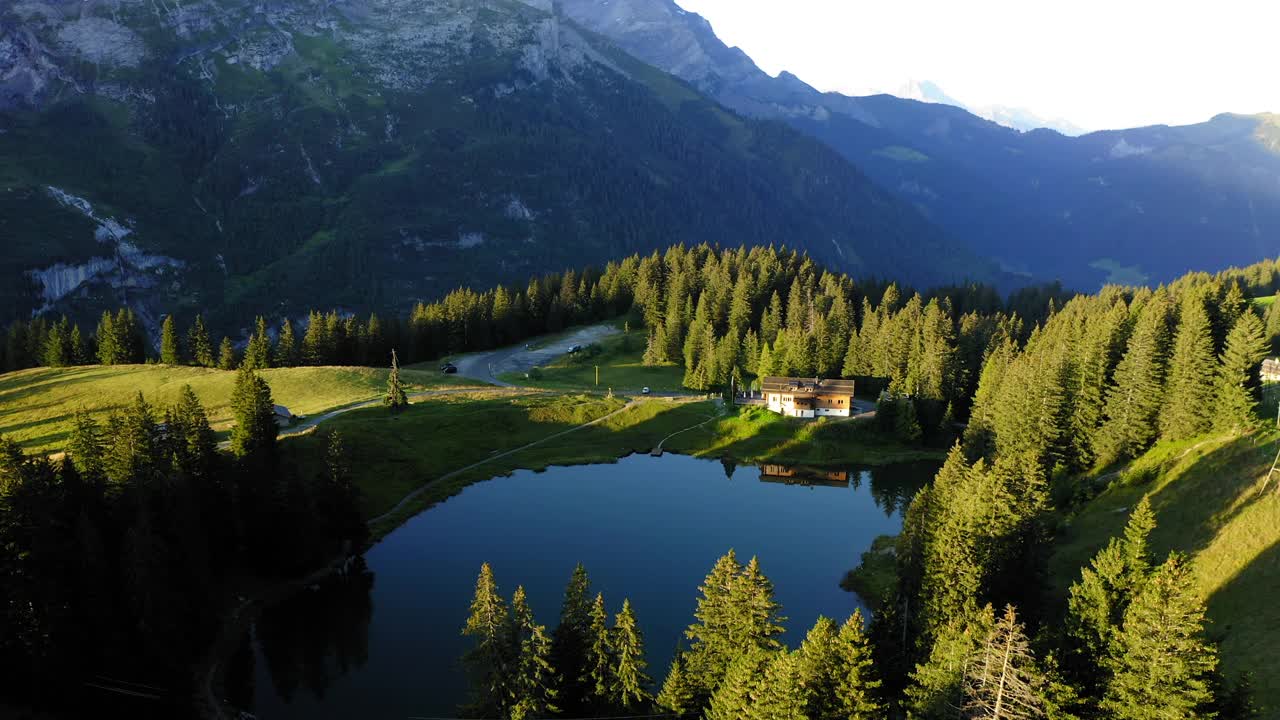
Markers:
1210,503
37,406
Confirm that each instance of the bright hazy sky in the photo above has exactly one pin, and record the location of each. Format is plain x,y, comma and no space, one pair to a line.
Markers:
1098,63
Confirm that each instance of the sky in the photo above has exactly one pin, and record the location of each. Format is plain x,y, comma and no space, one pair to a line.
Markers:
1101,64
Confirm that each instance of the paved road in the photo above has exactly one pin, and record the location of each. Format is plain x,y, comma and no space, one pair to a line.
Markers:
487,366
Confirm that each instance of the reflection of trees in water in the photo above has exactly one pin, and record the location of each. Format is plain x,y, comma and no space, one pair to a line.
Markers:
318,635
894,487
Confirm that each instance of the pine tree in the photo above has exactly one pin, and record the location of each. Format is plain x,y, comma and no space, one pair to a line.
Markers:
255,431
287,346
1245,349
781,693
1188,407
1162,664
491,660
856,685
570,641
257,355
714,642
679,694
227,355
1004,682
199,345
936,689
1099,600
757,614
1137,391
600,661
533,687
733,698
169,351
631,682
86,447
109,352
396,399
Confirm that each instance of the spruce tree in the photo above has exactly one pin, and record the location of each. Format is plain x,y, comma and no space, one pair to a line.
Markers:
287,346
257,356
714,641
396,399
631,682
199,345
1162,666
857,688
109,352
169,351
757,614
86,447
491,660
255,431
734,697
599,658
781,693
227,355
533,686
679,694
570,641
1099,600
1137,390
1237,400
1188,407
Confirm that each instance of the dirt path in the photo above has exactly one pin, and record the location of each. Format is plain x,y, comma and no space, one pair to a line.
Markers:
487,366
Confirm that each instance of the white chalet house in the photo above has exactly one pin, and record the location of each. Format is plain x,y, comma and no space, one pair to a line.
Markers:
808,397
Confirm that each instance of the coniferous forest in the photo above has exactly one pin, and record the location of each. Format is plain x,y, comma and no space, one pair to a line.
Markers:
147,520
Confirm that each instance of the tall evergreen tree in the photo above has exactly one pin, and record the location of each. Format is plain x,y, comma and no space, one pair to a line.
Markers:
396,399
570,642
1162,665
600,662
533,687
1137,392
109,351
227,355
170,354
631,682
491,660
257,356
1188,407
287,346
1245,349
255,431
198,344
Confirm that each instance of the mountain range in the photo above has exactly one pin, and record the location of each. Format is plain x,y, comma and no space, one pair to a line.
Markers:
240,156
1145,204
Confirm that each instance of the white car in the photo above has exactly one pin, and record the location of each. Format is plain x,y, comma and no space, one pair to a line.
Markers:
644,391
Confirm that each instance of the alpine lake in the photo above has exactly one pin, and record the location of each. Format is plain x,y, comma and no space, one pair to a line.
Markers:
384,641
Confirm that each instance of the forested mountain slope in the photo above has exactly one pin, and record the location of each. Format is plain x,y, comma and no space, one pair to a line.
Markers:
1125,206
237,156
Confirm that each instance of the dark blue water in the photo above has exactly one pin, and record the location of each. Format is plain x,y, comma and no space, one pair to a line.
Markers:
386,645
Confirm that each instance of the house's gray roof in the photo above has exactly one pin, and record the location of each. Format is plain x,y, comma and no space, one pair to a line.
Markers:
807,386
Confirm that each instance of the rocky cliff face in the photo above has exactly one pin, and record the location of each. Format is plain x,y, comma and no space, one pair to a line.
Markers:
1047,205
276,155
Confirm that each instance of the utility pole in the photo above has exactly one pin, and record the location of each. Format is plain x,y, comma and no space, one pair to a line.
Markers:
597,376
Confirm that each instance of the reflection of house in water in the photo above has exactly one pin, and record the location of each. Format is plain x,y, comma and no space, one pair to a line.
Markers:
798,475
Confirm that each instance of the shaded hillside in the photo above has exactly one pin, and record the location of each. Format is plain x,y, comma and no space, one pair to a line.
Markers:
1211,501
1125,206
241,157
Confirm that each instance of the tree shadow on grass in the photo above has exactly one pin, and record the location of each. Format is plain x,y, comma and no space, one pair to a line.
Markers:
1250,625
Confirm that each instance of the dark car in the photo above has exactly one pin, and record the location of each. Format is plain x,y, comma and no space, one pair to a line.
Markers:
449,369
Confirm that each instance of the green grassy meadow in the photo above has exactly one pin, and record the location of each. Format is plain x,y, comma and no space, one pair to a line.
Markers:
1210,503
621,367
37,406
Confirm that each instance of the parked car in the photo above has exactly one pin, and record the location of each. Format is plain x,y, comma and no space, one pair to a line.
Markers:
575,349
449,369
644,391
